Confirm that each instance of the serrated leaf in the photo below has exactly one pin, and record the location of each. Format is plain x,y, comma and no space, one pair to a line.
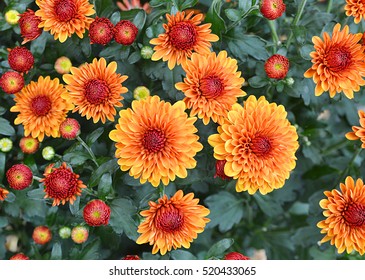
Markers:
251,45
107,167
122,210
268,206
91,251
257,81
6,128
56,253
234,14
91,138
134,57
218,249
36,194
227,218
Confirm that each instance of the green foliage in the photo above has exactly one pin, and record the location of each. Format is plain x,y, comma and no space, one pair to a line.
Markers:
282,223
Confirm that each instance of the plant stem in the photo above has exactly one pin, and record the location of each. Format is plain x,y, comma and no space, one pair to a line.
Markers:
340,178
161,190
329,6
295,22
82,142
274,34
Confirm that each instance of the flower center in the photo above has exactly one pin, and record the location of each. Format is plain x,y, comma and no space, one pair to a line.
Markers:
65,10
354,214
170,220
154,140
41,105
261,146
96,91
183,36
338,59
61,184
211,87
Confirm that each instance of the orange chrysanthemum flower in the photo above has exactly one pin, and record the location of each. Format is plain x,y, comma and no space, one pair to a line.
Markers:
211,86
42,107
172,223
65,17
3,194
61,184
358,132
95,89
156,141
345,216
355,8
182,36
338,63
259,145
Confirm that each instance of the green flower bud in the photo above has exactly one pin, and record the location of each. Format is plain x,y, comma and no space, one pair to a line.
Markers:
48,153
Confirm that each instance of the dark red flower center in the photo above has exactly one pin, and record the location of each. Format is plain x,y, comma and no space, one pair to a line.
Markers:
211,87
219,170
65,10
170,220
261,145
154,140
183,36
61,184
96,91
41,105
338,59
354,214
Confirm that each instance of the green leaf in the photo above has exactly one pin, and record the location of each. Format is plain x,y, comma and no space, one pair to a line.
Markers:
75,207
140,19
157,3
299,208
218,249
305,51
56,253
182,255
36,194
91,251
268,206
122,210
105,185
213,16
258,81
318,171
134,57
185,4
107,167
5,128
76,158
312,153
3,222
234,14
252,45
232,214
2,165
90,139
38,46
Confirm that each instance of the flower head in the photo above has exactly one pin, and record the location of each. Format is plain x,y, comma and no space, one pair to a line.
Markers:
11,82
101,31
3,194
272,9
126,5
42,107
19,256
235,256
64,232
61,184
277,66
356,9
48,153
42,235
28,24
20,59
131,257
146,52
172,223
63,65
6,144
96,89
141,92
156,141
212,85
79,234
19,176
338,63
358,131
29,145
96,213
65,17
69,129
344,210
125,32
12,17
259,145
183,35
